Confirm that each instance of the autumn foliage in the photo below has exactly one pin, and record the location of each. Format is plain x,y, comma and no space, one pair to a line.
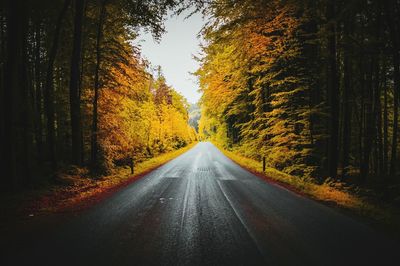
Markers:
312,86
141,118
252,72
76,92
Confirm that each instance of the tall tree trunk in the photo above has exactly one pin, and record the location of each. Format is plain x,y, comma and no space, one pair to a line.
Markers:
49,90
38,94
94,144
396,73
25,118
3,57
16,141
82,73
377,110
11,93
390,15
369,124
373,95
74,94
385,127
378,128
347,105
333,92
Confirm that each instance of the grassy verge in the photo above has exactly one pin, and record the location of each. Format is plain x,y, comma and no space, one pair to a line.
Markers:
77,191
332,193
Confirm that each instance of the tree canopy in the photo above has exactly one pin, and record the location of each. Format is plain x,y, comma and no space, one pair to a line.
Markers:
312,86
75,90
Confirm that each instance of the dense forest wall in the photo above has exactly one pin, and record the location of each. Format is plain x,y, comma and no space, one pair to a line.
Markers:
313,86
74,90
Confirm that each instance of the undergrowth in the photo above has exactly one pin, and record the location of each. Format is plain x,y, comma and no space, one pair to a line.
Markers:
76,190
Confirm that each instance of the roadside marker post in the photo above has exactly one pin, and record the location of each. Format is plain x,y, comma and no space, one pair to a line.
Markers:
264,164
132,165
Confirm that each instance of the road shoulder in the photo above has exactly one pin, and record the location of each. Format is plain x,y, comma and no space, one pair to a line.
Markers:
381,216
77,191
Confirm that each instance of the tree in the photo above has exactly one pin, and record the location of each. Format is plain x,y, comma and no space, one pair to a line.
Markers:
74,93
94,132
49,89
266,94
52,86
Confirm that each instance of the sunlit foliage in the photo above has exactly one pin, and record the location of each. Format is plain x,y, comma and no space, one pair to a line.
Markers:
312,86
141,117
77,91
255,94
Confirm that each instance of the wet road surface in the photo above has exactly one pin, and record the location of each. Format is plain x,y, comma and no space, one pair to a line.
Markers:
202,209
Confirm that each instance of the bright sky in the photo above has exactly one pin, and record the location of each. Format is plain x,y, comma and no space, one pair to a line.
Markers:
175,53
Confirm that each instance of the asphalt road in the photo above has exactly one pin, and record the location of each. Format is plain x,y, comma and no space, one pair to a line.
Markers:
201,209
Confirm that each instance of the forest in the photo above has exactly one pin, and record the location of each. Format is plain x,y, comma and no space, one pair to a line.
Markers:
288,152
312,86
75,90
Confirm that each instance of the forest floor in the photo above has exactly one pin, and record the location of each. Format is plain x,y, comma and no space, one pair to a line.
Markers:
385,216
76,190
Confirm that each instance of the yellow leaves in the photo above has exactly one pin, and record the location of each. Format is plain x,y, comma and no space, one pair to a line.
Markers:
219,78
133,123
254,47
253,92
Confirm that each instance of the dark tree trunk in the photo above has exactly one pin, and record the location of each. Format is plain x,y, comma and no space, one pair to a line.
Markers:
38,94
2,90
373,95
74,94
347,104
396,73
94,142
377,107
390,16
25,119
333,92
11,94
369,122
378,127
17,141
49,91
385,128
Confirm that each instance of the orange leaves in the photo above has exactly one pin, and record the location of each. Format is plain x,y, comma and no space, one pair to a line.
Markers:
255,95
